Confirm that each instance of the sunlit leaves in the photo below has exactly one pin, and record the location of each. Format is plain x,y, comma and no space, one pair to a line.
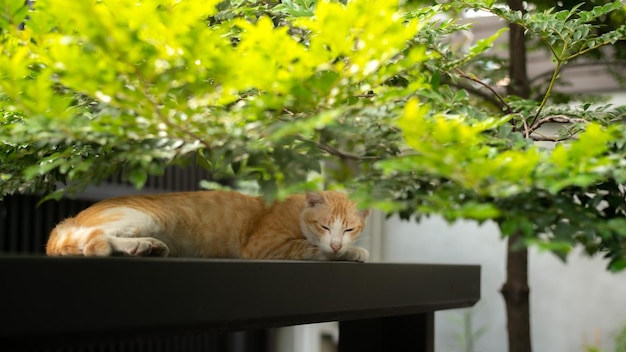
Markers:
556,198
346,31
251,91
289,61
296,8
458,149
12,14
364,94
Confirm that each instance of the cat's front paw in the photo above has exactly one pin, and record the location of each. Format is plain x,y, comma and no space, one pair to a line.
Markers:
150,247
356,254
140,247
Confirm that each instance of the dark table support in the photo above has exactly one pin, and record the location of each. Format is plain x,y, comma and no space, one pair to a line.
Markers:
413,333
204,303
238,341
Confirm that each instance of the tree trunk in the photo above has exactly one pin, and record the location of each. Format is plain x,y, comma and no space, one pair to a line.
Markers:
515,290
519,84
516,296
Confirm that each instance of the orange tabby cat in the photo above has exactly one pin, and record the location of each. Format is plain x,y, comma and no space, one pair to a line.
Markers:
215,224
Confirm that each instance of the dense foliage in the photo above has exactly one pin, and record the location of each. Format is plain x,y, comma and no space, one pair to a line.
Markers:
363,95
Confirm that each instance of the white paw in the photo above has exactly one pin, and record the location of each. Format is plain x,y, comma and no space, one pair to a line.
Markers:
150,247
356,254
140,247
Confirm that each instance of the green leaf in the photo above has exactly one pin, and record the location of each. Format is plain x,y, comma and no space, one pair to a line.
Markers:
138,177
484,44
617,265
508,227
478,211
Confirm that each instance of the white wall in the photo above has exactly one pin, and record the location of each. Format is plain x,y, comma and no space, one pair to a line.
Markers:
571,304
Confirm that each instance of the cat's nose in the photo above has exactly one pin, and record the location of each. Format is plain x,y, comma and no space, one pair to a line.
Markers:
335,247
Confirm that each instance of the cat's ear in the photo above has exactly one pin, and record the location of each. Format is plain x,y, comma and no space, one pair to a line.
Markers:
365,213
314,198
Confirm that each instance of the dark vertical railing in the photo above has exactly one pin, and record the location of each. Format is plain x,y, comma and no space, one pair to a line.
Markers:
25,225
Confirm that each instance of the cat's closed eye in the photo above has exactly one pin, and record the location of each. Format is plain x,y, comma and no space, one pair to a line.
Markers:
325,227
348,230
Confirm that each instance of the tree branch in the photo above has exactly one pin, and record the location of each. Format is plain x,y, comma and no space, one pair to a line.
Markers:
555,119
498,100
541,138
477,92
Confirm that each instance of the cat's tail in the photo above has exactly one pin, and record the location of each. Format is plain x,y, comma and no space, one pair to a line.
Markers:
67,238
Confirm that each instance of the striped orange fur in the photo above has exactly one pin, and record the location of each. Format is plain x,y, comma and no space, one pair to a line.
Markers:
215,224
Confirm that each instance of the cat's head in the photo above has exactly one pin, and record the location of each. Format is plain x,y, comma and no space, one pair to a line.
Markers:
332,221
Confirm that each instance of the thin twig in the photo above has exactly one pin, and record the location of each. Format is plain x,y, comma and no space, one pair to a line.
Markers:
490,88
527,131
544,101
336,152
